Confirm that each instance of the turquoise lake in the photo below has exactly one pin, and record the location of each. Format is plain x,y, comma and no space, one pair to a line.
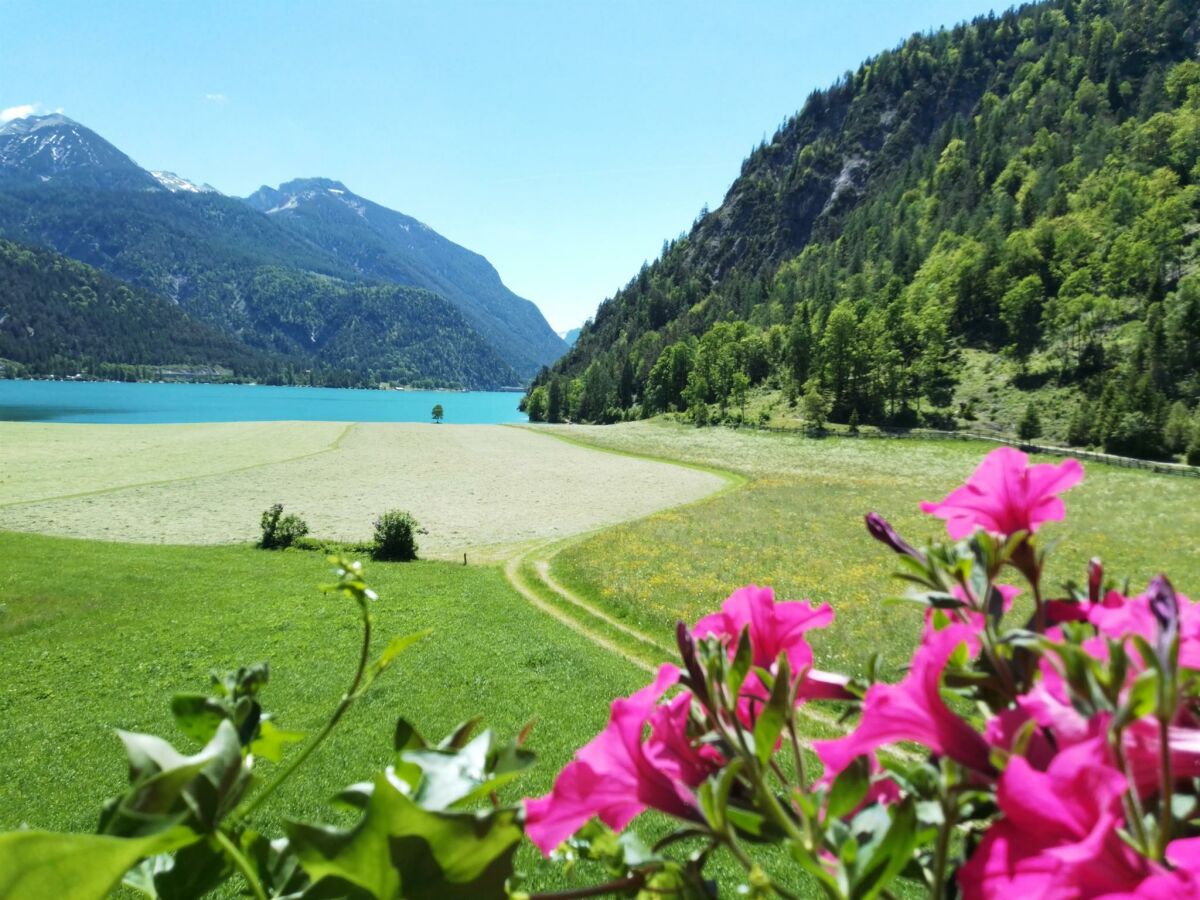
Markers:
103,402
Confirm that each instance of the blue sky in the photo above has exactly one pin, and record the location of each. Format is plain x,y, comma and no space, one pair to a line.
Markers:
564,140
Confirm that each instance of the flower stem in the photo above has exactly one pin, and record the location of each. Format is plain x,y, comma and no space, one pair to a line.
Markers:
750,865
1165,819
242,864
346,702
941,852
1134,814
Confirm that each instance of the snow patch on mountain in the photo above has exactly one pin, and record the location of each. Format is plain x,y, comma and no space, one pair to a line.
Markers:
179,185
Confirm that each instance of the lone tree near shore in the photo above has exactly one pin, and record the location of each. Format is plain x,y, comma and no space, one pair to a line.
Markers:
437,413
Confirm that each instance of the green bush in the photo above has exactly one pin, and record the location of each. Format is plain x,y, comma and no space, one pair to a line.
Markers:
280,531
1030,426
396,536
1193,450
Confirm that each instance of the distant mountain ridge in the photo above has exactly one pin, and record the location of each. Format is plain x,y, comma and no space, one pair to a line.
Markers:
377,242
223,261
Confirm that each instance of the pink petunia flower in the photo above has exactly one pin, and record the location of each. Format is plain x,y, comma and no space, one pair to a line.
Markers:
1117,616
1006,495
622,772
775,628
1059,834
1182,883
913,710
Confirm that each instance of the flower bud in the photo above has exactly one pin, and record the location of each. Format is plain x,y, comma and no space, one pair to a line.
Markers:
687,653
1163,602
882,531
1095,580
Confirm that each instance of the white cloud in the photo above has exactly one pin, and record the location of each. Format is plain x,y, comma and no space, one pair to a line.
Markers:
217,98
18,112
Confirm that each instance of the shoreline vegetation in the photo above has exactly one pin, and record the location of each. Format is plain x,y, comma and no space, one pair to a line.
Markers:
181,374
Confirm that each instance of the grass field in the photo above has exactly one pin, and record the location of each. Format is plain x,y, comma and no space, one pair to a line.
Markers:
97,636
797,525
477,488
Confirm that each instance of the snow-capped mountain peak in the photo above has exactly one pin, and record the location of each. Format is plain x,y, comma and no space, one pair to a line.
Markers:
56,149
177,184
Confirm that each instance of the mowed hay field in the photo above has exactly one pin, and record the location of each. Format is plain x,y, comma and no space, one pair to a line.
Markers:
479,487
798,526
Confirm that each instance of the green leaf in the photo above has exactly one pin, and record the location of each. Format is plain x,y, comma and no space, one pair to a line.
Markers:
399,849
394,648
774,715
271,740
749,822
885,854
1141,699
458,738
197,715
457,778
191,872
169,788
407,737
78,866
741,663
708,806
725,782
849,789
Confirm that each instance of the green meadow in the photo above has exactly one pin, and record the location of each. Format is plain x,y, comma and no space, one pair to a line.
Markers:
797,525
97,635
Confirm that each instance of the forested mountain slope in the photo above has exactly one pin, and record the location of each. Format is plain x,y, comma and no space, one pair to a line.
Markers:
59,316
382,244
1021,185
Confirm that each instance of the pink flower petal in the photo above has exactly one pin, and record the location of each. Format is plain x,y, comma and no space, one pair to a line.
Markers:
1005,495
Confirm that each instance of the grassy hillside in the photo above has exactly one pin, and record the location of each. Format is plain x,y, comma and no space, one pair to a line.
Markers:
1022,185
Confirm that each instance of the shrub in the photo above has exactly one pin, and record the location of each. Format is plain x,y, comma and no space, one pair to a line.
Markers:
1193,450
396,537
816,406
1135,434
280,531
1030,426
1079,430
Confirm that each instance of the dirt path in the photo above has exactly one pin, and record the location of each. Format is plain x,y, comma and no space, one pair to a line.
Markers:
530,573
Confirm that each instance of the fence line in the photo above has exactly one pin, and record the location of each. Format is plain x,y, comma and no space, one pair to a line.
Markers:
1111,459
